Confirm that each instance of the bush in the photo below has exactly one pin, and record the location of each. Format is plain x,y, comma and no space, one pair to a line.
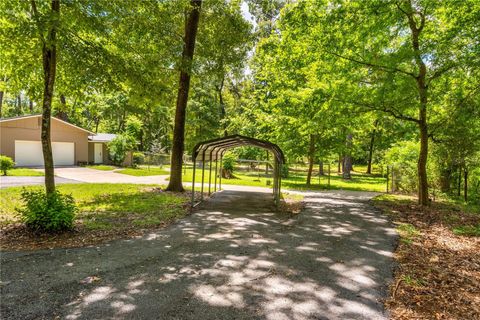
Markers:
284,171
6,163
138,158
52,213
118,148
228,164
403,156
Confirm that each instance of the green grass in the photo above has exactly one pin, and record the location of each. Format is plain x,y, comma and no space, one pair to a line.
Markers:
144,171
108,206
407,232
296,181
24,172
102,167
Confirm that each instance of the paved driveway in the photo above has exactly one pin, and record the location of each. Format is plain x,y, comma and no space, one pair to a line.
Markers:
9,181
82,175
233,259
98,176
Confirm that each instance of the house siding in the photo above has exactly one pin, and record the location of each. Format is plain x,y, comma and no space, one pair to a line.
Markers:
30,129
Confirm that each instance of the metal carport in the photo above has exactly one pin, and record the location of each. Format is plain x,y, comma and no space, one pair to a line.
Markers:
213,150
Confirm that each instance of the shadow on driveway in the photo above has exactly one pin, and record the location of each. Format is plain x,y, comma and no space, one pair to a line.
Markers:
235,258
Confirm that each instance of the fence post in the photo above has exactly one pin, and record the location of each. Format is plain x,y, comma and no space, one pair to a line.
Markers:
329,175
393,180
388,175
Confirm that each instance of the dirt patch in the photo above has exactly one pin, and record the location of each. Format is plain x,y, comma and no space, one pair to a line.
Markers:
438,273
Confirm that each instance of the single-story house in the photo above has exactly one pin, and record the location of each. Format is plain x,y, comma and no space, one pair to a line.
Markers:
71,145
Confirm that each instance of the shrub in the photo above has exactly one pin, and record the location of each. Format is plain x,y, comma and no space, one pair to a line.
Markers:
284,171
138,158
228,163
6,163
118,148
404,156
52,213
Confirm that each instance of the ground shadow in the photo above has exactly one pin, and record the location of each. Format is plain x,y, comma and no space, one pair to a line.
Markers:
235,258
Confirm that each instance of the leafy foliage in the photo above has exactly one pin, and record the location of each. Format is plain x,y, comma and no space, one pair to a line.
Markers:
119,147
6,163
47,213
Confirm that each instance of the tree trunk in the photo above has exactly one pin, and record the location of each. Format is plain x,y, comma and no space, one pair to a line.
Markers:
223,112
347,160
20,110
370,150
340,164
30,105
459,186
49,55
191,27
1,102
311,158
416,27
422,166
62,113
320,169
465,184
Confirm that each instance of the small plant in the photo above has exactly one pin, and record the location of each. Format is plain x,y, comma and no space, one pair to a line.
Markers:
467,231
119,147
227,165
52,213
138,158
6,163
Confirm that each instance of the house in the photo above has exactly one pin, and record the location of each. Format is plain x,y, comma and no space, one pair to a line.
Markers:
71,145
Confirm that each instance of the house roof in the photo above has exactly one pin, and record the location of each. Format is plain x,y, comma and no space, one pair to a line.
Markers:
39,115
102,137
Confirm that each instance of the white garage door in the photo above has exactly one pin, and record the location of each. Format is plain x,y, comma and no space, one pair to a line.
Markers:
29,153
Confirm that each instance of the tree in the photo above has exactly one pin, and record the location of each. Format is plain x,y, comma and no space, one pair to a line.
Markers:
48,37
191,27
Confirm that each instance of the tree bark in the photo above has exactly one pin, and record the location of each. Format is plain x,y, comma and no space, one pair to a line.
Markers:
49,55
347,160
62,114
311,158
191,27
459,186
320,169
30,105
370,150
20,109
465,184
340,163
1,102
223,112
423,101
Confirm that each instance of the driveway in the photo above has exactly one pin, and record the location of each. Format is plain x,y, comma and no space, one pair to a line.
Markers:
82,175
232,259
9,181
98,176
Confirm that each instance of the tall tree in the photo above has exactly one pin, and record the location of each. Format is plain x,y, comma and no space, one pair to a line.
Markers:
49,56
191,27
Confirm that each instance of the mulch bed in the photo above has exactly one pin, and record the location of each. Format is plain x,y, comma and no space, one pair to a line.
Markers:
17,237
438,272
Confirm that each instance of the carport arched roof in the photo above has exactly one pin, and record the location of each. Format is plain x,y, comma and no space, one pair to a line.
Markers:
213,150
233,141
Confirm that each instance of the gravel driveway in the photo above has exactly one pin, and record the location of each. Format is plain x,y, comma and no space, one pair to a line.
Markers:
232,259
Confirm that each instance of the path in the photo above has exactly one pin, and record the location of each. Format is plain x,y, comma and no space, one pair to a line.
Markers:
233,259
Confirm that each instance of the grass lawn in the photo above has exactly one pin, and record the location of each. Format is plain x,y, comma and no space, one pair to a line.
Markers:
24,172
296,180
108,206
102,167
437,258
144,171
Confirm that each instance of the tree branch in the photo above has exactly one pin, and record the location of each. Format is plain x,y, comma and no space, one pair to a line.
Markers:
369,64
36,17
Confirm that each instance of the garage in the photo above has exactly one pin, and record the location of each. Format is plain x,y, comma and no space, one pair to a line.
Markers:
29,153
